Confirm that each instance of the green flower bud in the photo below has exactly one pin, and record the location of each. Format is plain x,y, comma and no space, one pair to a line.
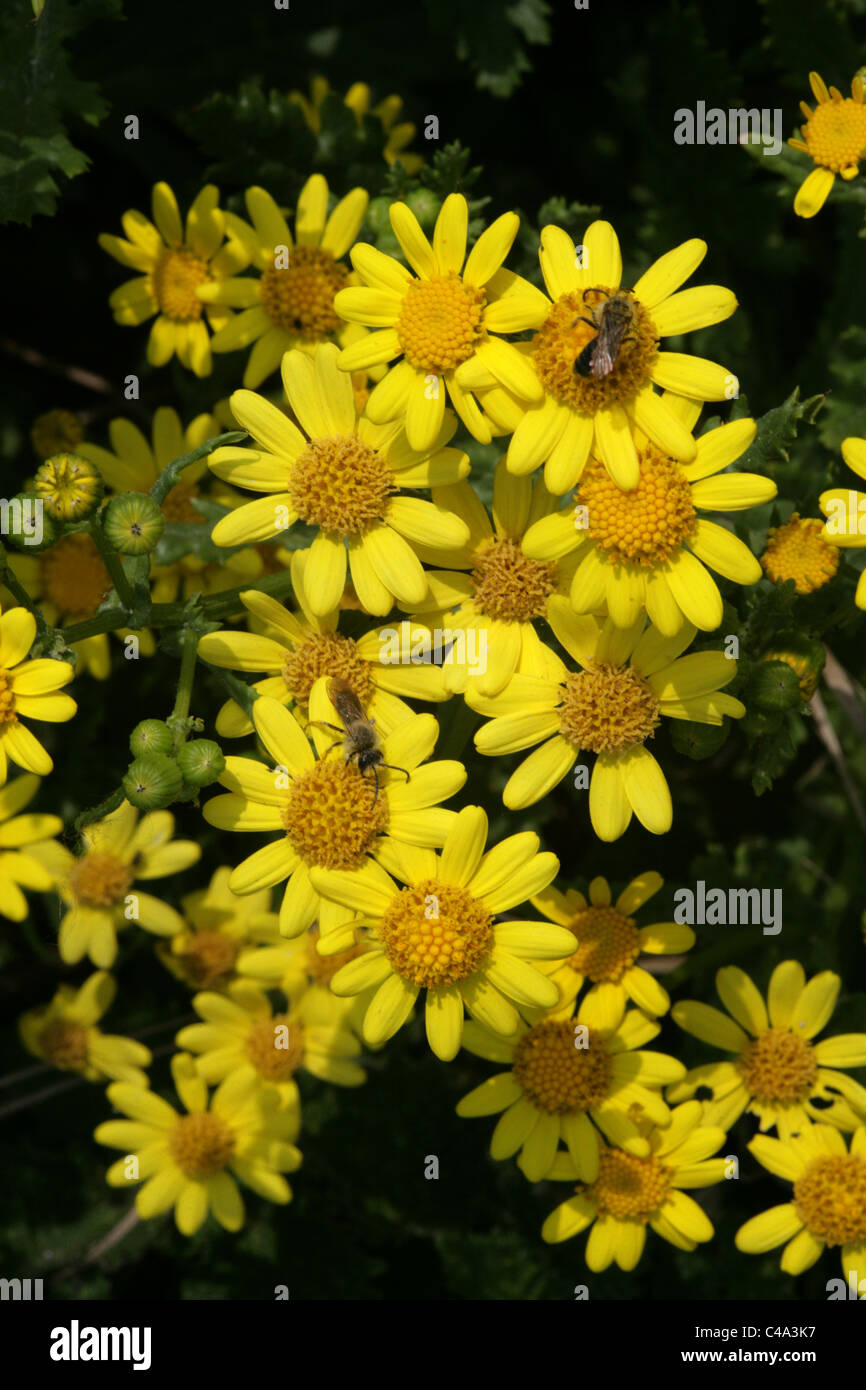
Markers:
133,523
773,686
425,205
150,736
805,657
377,215
698,741
152,782
201,762
71,487
27,524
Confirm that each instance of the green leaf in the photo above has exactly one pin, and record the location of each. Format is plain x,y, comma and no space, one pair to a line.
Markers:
39,93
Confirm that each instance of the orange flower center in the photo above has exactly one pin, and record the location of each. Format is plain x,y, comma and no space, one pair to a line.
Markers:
607,708
176,275
74,577
627,1187
436,934
836,133
7,699
558,1077
798,551
275,1046
646,526
201,1145
300,298
608,943
330,815
64,1044
208,958
99,880
440,323
509,585
562,337
326,654
178,504
831,1198
340,484
779,1066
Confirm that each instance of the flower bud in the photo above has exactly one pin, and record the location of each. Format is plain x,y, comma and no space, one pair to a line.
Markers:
152,782
150,736
133,523
70,487
201,762
773,686
805,657
30,527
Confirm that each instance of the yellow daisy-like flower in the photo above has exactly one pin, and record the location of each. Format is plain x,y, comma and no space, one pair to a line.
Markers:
216,927
490,612
291,304
439,933
100,886
329,814
70,582
845,510
798,550
649,549
778,1072
340,478
241,1032
442,321
190,1162
629,678
18,868
359,100
64,1033
632,1193
173,261
834,138
28,690
584,414
610,944
299,648
828,1206
574,1080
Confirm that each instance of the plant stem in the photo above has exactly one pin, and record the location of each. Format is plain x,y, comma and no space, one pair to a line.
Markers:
187,671
106,621
104,808
169,476
14,585
113,563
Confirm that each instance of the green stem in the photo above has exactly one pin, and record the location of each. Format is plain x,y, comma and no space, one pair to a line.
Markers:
187,671
169,476
104,808
106,621
14,585
113,564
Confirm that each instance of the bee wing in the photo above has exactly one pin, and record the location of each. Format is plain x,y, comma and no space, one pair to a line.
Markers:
602,361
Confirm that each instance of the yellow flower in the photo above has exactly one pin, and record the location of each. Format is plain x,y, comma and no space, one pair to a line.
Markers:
298,648
631,1193
579,414
173,261
341,480
18,834
649,549
442,322
834,138
70,581
439,933
327,812
297,967
291,304
100,886
64,1033
216,927
28,690
828,1206
777,1072
190,1162
609,943
241,1032
571,1079
628,679
490,611
800,551
359,100
846,510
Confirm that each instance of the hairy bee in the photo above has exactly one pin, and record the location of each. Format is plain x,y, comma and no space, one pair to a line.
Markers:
361,741
612,319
